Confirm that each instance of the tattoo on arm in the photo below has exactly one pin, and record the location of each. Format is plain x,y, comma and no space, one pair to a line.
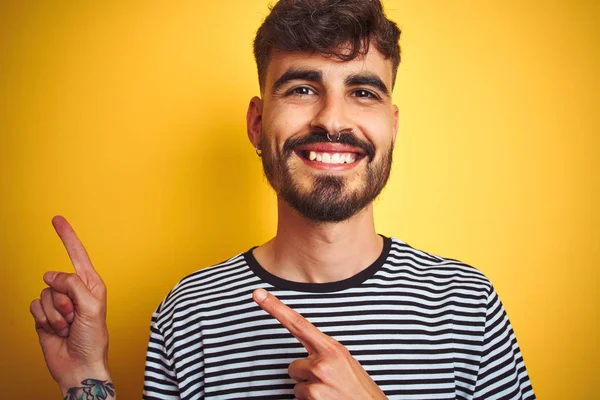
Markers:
92,389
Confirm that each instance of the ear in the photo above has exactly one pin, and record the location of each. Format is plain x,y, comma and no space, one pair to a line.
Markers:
396,122
254,120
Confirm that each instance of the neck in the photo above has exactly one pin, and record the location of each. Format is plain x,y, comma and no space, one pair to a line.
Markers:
305,251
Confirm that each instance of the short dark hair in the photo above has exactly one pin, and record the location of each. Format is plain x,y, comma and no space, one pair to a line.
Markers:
338,28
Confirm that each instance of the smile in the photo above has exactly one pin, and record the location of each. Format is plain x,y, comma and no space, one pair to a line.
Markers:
330,156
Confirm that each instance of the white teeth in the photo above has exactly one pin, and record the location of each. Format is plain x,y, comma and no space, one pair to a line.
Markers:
332,158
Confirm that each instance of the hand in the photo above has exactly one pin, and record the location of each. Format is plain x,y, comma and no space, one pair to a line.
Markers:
329,371
70,317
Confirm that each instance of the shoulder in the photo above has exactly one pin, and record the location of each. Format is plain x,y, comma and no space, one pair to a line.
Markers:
419,264
204,285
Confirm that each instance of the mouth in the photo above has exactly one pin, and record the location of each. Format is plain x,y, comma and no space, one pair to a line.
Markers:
330,156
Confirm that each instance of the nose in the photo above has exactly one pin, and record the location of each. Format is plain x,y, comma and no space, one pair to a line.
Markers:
332,116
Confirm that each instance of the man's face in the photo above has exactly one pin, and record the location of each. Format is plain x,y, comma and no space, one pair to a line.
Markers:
326,131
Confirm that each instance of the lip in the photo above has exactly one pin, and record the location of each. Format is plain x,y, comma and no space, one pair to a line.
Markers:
324,166
330,148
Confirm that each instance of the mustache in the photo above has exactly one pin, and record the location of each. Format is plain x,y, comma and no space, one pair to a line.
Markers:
321,137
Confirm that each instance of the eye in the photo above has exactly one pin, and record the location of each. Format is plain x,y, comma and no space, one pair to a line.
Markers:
302,91
365,94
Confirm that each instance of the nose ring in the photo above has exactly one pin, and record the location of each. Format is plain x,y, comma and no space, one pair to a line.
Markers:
337,139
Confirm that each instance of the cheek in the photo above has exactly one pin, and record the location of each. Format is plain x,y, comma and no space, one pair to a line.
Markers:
285,121
377,125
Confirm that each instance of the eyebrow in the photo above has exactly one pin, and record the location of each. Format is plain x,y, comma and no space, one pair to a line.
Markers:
297,74
367,79
311,75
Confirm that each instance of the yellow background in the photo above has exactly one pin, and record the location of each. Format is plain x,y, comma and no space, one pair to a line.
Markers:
128,118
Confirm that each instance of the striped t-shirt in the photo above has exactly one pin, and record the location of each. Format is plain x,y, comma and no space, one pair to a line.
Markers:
422,326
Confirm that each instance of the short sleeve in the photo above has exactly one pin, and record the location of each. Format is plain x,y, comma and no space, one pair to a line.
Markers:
502,373
160,380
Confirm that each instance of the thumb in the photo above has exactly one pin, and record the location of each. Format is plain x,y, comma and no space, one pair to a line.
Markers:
73,286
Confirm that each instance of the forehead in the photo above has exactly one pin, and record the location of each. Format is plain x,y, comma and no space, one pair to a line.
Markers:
331,68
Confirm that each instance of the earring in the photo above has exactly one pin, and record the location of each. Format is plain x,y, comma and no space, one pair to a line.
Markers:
258,151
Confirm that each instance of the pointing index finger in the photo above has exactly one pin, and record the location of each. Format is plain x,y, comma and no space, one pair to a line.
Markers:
309,336
77,254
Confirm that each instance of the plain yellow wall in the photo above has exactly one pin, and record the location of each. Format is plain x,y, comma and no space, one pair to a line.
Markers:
128,118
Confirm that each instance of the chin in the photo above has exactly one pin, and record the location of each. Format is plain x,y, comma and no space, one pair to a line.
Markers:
330,199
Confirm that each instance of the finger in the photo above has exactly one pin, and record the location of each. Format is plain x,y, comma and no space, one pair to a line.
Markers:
300,370
311,338
41,322
64,305
72,286
301,390
312,391
77,253
55,319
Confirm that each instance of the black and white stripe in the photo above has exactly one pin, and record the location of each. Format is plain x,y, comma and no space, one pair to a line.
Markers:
423,326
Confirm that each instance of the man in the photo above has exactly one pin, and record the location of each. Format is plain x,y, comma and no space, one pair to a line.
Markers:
386,320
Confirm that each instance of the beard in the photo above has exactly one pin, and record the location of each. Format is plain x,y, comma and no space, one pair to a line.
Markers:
330,199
